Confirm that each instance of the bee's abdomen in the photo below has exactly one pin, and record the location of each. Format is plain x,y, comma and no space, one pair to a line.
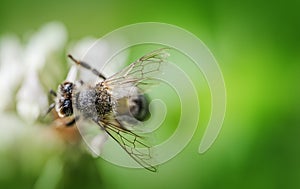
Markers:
139,107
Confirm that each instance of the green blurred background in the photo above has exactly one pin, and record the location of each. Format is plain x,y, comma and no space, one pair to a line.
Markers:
256,44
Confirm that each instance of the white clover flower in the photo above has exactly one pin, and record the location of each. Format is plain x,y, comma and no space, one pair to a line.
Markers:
20,85
49,39
37,149
31,98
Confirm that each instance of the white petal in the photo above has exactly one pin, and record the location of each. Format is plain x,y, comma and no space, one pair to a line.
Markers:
31,99
97,144
49,39
11,68
72,74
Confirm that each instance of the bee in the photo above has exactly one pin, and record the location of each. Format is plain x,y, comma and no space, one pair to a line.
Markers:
116,104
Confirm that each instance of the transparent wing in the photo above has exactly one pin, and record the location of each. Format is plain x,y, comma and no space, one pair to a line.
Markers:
132,81
144,68
132,143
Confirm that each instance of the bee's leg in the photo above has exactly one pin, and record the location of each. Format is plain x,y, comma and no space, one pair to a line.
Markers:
87,66
53,93
72,122
81,82
50,108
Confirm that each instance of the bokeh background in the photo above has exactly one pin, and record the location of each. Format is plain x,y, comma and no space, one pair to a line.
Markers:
256,44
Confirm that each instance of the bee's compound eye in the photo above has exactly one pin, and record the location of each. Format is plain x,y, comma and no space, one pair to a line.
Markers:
67,87
67,107
67,103
139,108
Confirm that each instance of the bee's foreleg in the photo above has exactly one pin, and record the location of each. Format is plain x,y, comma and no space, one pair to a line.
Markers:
53,93
49,109
73,121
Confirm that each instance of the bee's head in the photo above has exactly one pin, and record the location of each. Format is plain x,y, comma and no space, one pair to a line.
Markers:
64,106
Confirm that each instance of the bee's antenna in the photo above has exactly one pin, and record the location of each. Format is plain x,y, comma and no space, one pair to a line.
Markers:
87,66
73,59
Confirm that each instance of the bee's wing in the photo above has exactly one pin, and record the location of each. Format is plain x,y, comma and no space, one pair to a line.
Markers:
132,143
142,69
123,84
134,80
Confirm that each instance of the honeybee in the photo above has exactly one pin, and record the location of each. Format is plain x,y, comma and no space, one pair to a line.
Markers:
116,104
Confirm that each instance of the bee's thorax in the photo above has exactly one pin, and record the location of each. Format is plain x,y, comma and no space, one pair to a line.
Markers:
93,102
